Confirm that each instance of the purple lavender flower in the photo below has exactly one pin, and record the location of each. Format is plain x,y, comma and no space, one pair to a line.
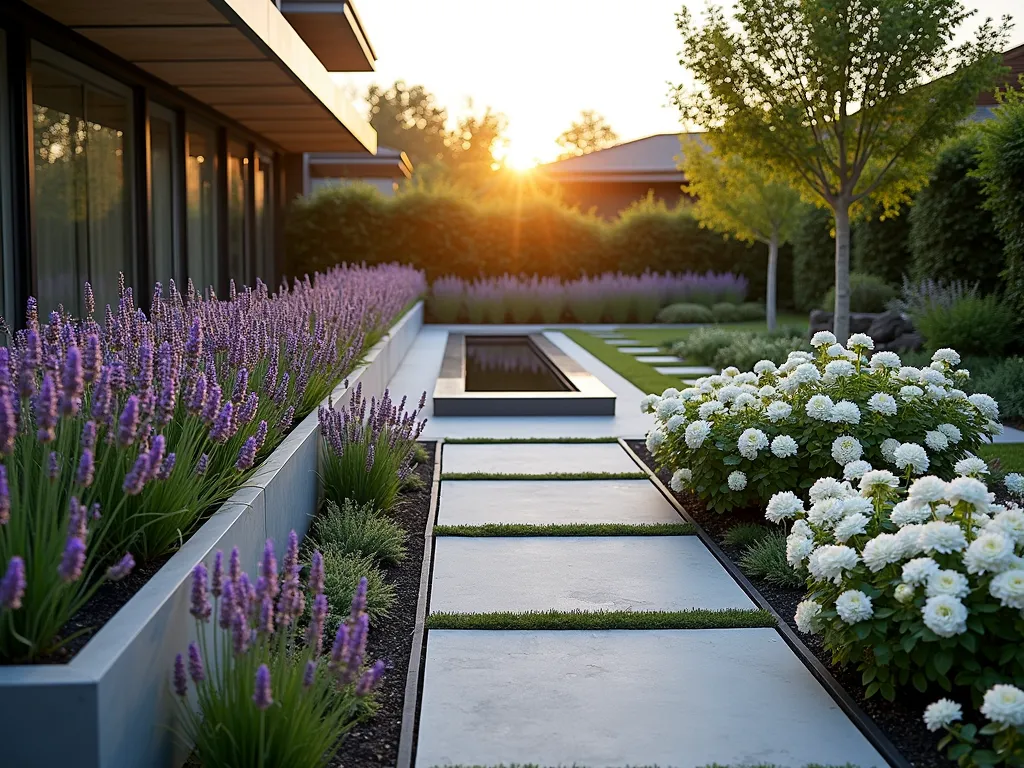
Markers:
102,397
358,600
234,565
180,681
286,420
167,467
262,697
194,345
370,455
227,606
317,621
200,604
30,362
268,568
144,379
239,633
261,434
93,359
195,664
136,478
198,399
88,441
241,386
212,406
247,410
53,465
128,423
316,573
73,560
245,595
266,621
78,519
156,453
202,465
86,468
46,410
8,423
122,568
217,579
90,300
12,586
72,383
5,497
309,676
370,679
247,454
222,429
340,648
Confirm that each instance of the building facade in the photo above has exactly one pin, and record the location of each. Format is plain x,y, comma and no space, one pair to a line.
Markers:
386,171
155,138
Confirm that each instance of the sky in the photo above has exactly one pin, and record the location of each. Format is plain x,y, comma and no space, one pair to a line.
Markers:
542,62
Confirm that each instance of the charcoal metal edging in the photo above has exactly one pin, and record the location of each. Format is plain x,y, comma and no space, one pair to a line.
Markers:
860,719
414,675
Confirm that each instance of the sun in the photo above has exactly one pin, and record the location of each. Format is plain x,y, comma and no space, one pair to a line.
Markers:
518,160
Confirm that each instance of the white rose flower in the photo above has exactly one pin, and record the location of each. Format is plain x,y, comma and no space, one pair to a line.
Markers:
853,606
1015,483
991,552
1009,522
782,506
731,371
946,355
910,391
888,448
828,488
839,368
737,481
904,593
798,548
945,615
881,551
679,480
689,394
909,512
831,561
936,440
845,412
778,410
876,480
745,378
909,373
919,570
927,489
655,439
861,340
825,512
856,470
728,393
750,442
936,392
676,423
1004,704
951,432
882,403
971,466
881,360
787,383
994,428
931,376
784,446
823,339
845,449
806,373
969,490
939,536
908,539
696,433
956,394
820,407
766,392
806,617
668,407
1008,588
764,366
745,400
801,527
711,407
850,526
942,511
942,714
648,403
836,350
988,407
670,393
947,582
912,456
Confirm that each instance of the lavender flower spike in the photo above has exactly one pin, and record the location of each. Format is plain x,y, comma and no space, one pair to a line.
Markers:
309,676
73,560
262,696
12,586
122,568
8,423
200,607
234,565
239,633
86,469
246,454
136,478
72,383
202,464
128,423
195,664
359,600
268,568
46,410
5,497
217,580
370,679
222,425
180,681
316,573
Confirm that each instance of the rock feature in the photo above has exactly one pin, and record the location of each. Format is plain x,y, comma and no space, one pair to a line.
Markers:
892,330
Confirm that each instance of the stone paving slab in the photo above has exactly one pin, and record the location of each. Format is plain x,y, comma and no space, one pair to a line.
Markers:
621,341
1009,435
681,698
538,502
536,458
640,350
684,370
620,573
658,359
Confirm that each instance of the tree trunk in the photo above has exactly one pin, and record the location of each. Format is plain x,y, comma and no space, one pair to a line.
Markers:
773,279
841,320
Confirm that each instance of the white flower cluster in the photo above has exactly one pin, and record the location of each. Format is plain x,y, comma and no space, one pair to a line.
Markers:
1002,705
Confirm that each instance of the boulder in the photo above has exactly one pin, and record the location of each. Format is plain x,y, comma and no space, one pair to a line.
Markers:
860,322
905,342
820,321
889,326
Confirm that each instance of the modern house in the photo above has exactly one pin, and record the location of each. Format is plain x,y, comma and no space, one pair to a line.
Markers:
1014,60
609,180
161,138
384,171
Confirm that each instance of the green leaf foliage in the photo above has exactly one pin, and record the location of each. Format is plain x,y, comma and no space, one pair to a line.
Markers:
881,247
868,293
814,249
766,559
355,529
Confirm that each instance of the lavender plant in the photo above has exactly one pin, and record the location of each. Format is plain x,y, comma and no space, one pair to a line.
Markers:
368,451
266,694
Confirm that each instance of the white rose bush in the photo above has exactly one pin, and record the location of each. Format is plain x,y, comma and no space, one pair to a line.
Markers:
742,437
999,742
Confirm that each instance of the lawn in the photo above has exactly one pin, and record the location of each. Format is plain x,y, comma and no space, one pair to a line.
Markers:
655,337
1010,455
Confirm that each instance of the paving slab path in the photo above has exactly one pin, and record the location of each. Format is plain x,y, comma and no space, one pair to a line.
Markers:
613,698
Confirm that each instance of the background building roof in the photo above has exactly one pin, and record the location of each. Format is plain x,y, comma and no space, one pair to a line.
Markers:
653,158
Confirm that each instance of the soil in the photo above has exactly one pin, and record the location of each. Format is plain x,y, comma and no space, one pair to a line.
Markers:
374,742
900,720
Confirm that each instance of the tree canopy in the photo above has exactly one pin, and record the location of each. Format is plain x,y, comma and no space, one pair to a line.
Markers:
588,134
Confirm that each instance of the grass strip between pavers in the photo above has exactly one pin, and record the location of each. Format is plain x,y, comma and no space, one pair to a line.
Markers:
577,765
695,618
543,476
565,529
640,375
525,440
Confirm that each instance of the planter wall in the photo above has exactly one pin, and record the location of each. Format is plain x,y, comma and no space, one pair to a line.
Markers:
112,705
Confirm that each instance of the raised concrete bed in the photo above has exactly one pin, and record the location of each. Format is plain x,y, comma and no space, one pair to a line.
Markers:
112,705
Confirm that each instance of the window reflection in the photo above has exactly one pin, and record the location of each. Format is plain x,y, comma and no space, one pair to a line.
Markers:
264,207
200,194
238,178
162,156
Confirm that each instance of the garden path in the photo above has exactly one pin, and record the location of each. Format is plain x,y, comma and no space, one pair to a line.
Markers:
619,697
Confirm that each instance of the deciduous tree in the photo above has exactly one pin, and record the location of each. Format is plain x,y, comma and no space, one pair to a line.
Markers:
588,134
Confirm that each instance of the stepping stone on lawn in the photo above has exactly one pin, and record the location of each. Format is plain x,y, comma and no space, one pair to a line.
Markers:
685,370
611,573
628,697
621,342
478,502
639,350
658,359
536,458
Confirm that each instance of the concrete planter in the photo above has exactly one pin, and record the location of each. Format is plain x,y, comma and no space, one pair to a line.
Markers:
112,706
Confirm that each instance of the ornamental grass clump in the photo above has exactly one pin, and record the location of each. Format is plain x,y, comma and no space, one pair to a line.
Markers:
368,448
734,439
267,691
360,529
922,587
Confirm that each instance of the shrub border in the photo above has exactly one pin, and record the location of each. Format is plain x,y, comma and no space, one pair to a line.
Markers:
860,719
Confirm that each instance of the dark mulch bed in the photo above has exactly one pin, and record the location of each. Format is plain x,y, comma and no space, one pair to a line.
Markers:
899,720
374,743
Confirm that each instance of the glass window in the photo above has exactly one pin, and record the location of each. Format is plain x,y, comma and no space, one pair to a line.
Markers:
201,198
163,233
7,300
81,190
264,208
238,186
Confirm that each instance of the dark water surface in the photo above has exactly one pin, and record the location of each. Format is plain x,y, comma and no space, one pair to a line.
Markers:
508,364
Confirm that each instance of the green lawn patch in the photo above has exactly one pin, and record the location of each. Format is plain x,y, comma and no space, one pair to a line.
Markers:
565,529
696,618
1010,455
640,375
656,337
542,476
515,440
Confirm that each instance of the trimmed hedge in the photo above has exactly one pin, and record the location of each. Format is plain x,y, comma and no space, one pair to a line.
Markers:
446,233
881,247
868,293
